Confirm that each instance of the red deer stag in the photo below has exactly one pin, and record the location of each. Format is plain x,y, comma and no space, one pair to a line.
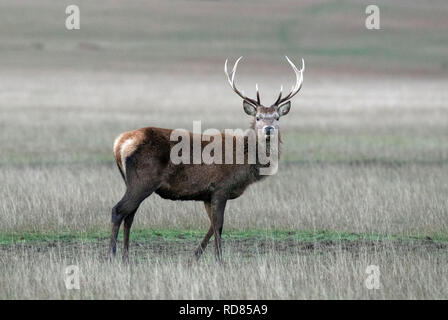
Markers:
143,158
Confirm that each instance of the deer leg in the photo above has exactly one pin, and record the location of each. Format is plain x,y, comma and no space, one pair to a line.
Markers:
126,232
200,250
218,207
115,228
209,234
124,210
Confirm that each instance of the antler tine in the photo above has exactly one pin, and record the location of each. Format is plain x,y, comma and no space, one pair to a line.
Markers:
280,95
299,81
258,93
234,70
231,80
227,73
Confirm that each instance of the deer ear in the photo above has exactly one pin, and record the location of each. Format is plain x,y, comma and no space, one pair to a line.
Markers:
283,109
249,108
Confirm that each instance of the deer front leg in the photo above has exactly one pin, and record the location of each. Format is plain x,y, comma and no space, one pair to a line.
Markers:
209,234
200,250
217,207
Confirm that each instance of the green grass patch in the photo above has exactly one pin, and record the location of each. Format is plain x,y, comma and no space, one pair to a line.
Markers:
148,235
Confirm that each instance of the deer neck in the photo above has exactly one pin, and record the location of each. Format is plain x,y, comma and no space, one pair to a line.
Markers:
255,168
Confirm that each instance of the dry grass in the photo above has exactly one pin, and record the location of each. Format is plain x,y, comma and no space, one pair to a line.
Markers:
365,146
328,275
347,164
367,198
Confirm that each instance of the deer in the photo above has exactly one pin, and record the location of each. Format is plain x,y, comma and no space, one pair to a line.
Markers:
143,159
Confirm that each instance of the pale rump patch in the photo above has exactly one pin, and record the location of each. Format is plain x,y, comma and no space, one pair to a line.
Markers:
127,148
125,144
116,143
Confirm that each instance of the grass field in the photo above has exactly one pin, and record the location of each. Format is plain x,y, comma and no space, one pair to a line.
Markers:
259,265
363,178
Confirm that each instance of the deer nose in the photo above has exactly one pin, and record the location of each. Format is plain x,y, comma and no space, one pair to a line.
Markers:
269,130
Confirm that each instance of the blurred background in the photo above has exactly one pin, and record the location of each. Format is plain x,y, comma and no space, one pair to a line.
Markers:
365,144
193,36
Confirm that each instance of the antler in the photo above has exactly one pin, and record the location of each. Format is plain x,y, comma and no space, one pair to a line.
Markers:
296,88
231,80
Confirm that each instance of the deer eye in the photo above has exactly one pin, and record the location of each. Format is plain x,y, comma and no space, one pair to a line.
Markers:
258,118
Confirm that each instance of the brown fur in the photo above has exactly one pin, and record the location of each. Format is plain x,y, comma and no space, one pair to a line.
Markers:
146,168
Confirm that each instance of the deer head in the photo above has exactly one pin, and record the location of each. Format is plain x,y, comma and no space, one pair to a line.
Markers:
266,119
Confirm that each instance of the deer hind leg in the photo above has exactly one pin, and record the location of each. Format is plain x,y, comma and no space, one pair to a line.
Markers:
116,220
217,207
209,234
126,232
125,210
115,228
142,177
120,211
